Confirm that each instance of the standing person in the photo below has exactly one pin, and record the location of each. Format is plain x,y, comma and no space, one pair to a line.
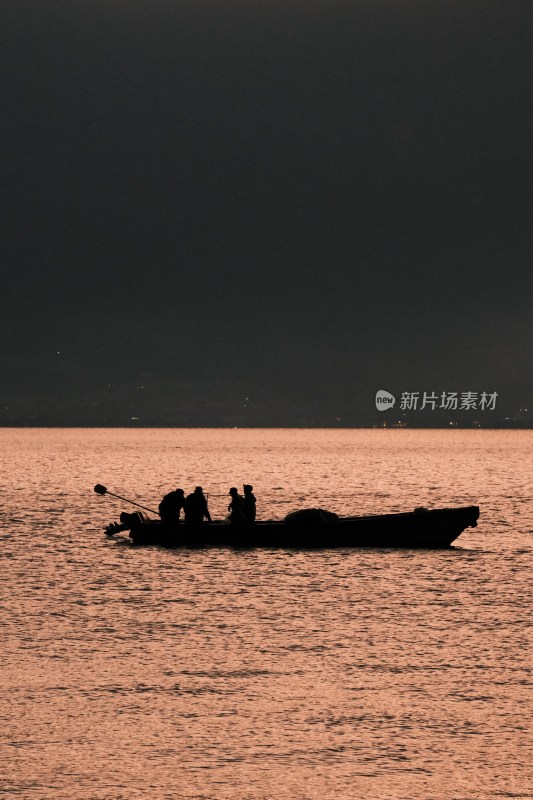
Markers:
170,507
196,509
236,507
249,503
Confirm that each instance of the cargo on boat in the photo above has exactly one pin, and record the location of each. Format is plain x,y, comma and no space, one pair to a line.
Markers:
310,529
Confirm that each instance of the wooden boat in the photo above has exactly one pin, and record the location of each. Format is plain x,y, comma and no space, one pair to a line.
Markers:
310,529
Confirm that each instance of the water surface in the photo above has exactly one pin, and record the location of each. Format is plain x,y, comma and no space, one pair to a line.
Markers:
135,673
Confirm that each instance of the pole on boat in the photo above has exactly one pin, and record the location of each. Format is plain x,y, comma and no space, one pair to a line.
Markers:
99,489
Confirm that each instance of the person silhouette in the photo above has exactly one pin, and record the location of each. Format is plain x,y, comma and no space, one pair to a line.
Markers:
236,507
249,503
170,507
196,509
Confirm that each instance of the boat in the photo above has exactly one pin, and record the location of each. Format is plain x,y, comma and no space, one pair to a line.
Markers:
310,529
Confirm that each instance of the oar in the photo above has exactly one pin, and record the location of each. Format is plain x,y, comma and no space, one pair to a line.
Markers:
99,489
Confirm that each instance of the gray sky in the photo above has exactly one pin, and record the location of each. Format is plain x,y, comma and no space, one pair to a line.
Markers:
295,202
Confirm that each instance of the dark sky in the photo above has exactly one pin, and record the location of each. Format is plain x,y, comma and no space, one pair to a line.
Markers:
295,202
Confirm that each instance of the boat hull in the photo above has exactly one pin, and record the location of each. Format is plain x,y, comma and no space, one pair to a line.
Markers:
419,529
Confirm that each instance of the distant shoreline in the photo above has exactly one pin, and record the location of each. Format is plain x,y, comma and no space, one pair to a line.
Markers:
105,426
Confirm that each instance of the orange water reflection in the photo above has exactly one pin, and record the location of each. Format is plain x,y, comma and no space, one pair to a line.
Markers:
221,674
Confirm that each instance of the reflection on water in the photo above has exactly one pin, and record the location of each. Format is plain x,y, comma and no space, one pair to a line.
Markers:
129,673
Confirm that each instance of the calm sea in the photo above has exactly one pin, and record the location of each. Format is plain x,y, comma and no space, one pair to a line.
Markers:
148,673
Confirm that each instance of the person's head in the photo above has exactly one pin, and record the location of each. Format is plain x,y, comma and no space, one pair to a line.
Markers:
180,492
233,491
198,490
247,488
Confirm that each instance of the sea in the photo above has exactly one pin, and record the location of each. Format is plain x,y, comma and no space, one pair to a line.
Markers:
221,674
